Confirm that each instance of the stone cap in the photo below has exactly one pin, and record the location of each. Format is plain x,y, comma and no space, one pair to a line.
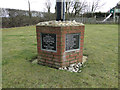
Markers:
59,23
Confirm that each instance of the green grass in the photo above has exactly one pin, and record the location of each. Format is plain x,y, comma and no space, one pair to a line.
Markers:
101,71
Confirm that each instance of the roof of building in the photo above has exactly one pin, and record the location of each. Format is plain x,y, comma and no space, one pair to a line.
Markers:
118,3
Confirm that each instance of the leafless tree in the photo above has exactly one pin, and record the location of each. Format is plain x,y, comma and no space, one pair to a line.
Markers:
68,5
29,9
95,5
78,6
3,12
48,5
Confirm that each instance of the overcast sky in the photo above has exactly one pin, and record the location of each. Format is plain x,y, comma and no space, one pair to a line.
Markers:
39,5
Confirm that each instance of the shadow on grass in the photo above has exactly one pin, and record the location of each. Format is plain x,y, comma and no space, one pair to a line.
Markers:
33,58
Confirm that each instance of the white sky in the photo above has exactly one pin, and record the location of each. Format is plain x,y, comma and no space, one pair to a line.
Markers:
39,5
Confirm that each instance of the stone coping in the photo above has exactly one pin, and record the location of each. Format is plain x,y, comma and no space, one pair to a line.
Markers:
60,23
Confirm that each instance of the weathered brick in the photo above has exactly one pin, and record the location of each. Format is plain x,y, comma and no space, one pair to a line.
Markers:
65,28
57,59
82,37
42,60
73,55
67,56
57,63
57,56
50,62
81,44
73,61
65,64
71,58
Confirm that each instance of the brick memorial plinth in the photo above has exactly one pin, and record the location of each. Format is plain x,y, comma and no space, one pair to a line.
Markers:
60,44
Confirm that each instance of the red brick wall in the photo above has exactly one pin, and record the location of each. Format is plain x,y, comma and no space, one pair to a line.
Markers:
59,58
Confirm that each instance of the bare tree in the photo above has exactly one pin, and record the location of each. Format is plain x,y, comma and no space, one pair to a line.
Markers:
96,5
68,5
78,7
48,5
29,9
3,12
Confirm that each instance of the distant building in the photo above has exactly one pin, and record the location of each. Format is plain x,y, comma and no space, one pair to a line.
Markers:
116,12
115,9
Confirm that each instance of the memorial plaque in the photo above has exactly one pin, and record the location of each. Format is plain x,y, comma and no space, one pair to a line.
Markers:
72,41
48,42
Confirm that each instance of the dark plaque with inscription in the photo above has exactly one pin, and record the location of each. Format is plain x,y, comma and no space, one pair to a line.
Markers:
48,42
72,41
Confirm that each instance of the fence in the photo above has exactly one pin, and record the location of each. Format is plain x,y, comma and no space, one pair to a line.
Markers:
94,20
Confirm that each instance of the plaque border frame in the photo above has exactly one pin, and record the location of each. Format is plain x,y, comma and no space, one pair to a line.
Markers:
41,42
79,42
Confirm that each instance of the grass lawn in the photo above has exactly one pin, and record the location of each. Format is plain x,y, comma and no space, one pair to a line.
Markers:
101,71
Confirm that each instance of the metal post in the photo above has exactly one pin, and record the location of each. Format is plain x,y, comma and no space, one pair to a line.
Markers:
60,4
63,10
58,10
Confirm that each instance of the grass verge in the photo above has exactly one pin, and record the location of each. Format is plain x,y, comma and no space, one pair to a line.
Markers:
101,71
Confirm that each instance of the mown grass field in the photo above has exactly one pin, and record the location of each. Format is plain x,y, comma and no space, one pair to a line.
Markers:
101,71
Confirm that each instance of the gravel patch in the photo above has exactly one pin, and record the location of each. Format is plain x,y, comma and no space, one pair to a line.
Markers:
35,61
75,67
